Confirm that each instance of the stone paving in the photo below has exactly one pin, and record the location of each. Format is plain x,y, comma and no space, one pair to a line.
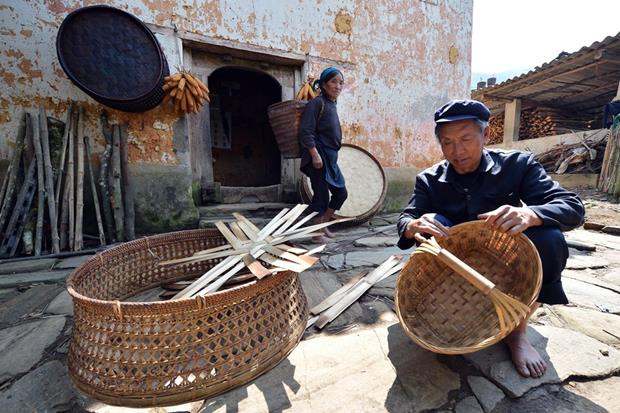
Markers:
361,362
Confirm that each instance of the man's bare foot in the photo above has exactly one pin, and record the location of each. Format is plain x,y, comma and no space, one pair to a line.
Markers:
525,357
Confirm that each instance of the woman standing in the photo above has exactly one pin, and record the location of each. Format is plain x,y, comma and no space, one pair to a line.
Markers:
320,136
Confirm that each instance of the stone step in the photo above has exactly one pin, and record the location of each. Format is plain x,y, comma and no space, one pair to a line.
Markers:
209,221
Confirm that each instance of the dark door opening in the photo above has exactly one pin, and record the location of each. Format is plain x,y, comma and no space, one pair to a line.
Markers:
245,153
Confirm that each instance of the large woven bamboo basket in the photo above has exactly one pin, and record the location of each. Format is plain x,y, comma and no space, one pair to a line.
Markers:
170,352
445,314
285,118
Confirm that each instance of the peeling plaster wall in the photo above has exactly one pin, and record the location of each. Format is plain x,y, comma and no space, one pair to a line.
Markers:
401,59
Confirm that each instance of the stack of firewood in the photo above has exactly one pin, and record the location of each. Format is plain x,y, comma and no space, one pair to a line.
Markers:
52,162
540,122
582,157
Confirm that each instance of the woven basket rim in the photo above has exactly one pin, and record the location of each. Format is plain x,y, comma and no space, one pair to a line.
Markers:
469,225
89,9
131,307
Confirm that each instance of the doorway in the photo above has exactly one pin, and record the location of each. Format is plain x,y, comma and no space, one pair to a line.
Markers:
244,150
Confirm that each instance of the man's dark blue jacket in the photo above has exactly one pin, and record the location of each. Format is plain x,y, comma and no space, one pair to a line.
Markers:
505,178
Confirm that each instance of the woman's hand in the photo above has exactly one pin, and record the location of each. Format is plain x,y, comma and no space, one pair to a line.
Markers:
317,162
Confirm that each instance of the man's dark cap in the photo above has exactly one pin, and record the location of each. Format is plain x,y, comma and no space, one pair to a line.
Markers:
461,110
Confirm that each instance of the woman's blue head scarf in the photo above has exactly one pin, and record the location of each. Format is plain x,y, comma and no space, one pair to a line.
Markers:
325,76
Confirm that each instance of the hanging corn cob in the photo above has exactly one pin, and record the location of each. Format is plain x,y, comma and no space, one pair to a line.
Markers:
187,92
306,92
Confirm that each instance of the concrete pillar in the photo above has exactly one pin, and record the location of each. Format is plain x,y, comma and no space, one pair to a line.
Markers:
512,116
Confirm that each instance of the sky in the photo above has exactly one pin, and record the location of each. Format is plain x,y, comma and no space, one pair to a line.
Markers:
511,37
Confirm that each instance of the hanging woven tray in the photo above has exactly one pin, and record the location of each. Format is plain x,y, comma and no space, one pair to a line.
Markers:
365,180
445,314
113,57
140,354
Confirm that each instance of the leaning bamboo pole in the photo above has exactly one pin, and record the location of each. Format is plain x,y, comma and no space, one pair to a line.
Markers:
6,206
71,179
49,179
63,153
128,194
103,178
79,196
93,189
117,194
36,140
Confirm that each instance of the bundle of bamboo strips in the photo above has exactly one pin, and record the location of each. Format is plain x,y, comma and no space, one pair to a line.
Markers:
330,308
251,247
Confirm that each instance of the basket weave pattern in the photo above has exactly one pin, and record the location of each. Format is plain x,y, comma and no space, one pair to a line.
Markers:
171,352
285,118
444,313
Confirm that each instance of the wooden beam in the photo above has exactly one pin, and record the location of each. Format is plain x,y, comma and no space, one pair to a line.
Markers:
512,119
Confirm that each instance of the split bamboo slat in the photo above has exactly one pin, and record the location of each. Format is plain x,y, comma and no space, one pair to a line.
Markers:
343,298
249,245
467,320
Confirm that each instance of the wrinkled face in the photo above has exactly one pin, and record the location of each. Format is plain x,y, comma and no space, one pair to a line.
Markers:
461,143
333,87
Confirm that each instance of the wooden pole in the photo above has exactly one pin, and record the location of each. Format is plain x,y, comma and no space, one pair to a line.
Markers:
63,152
117,195
49,179
40,185
128,194
104,183
71,179
79,198
7,201
93,189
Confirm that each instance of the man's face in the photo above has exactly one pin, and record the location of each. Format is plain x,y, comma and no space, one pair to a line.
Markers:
461,143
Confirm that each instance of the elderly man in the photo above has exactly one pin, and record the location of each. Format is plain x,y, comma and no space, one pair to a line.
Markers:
476,183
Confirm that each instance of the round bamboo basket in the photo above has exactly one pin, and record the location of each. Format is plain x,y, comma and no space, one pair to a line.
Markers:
365,180
445,314
171,352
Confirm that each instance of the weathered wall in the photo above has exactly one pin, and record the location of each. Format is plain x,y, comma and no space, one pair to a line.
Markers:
401,58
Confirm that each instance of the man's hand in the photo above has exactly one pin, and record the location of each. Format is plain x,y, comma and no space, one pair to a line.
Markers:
510,219
426,224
